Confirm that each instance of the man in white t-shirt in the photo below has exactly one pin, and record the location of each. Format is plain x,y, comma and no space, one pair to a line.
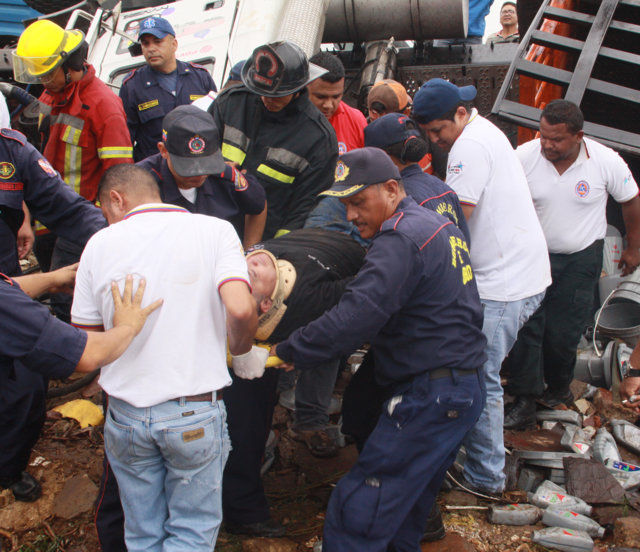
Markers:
165,433
570,178
508,251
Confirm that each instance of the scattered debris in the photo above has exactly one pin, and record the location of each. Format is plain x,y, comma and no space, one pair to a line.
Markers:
604,447
77,496
559,538
548,493
514,514
556,516
627,434
626,531
628,475
566,416
82,410
590,480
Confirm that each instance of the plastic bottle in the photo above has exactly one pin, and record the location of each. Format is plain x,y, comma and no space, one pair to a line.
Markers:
560,538
604,447
548,493
557,516
514,514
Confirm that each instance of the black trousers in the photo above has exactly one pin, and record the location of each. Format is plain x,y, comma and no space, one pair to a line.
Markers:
109,518
250,405
545,350
22,413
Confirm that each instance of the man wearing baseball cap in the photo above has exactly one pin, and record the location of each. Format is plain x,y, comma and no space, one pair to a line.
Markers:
415,301
191,172
508,249
399,137
150,92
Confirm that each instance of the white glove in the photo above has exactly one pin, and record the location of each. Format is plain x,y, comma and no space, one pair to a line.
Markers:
251,364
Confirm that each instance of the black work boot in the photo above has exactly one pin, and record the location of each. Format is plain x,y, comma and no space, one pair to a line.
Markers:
555,397
522,415
24,486
434,529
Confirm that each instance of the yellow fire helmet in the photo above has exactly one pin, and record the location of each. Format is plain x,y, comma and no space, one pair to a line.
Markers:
42,47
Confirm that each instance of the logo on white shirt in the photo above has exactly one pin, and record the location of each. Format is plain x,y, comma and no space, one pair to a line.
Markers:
582,188
455,169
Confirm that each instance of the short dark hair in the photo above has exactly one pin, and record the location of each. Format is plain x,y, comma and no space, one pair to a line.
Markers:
409,151
508,3
126,176
564,111
331,63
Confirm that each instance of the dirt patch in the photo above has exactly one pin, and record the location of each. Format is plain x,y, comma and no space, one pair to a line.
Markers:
298,486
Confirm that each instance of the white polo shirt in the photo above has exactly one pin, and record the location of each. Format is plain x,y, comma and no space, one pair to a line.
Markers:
572,206
184,258
508,250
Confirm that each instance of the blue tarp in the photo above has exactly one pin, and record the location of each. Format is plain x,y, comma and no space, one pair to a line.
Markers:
12,14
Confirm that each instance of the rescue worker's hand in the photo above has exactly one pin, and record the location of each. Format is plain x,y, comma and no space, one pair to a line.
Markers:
127,308
63,279
25,240
286,366
630,393
629,260
250,365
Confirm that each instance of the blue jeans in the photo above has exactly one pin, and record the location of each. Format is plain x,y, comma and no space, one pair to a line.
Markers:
168,460
484,466
384,501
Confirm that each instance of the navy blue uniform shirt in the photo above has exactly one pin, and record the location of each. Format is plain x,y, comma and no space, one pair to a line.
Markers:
146,102
415,301
229,196
25,175
31,337
430,192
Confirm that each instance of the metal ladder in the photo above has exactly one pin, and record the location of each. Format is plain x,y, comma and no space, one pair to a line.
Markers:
579,81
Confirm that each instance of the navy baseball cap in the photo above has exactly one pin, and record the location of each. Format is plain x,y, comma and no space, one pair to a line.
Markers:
436,97
192,140
236,71
156,26
389,129
359,169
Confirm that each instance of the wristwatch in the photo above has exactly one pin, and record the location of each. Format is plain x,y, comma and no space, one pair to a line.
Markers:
630,372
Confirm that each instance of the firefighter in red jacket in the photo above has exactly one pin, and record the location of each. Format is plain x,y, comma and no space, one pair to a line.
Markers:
82,121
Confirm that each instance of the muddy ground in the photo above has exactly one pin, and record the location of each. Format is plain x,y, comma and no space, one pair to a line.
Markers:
69,463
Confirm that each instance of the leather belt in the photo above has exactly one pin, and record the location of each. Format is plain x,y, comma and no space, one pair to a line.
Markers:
202,397
440,373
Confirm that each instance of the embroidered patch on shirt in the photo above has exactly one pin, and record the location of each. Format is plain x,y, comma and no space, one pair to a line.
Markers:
147,105
7,170
582,188
455,168
46,167
240,183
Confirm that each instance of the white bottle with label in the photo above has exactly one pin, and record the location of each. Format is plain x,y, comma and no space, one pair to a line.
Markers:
549,494
559,516
559,538
514,514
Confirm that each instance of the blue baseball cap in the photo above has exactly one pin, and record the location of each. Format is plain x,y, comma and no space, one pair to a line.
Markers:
236,71
360,168
389,129
436,97
156,26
